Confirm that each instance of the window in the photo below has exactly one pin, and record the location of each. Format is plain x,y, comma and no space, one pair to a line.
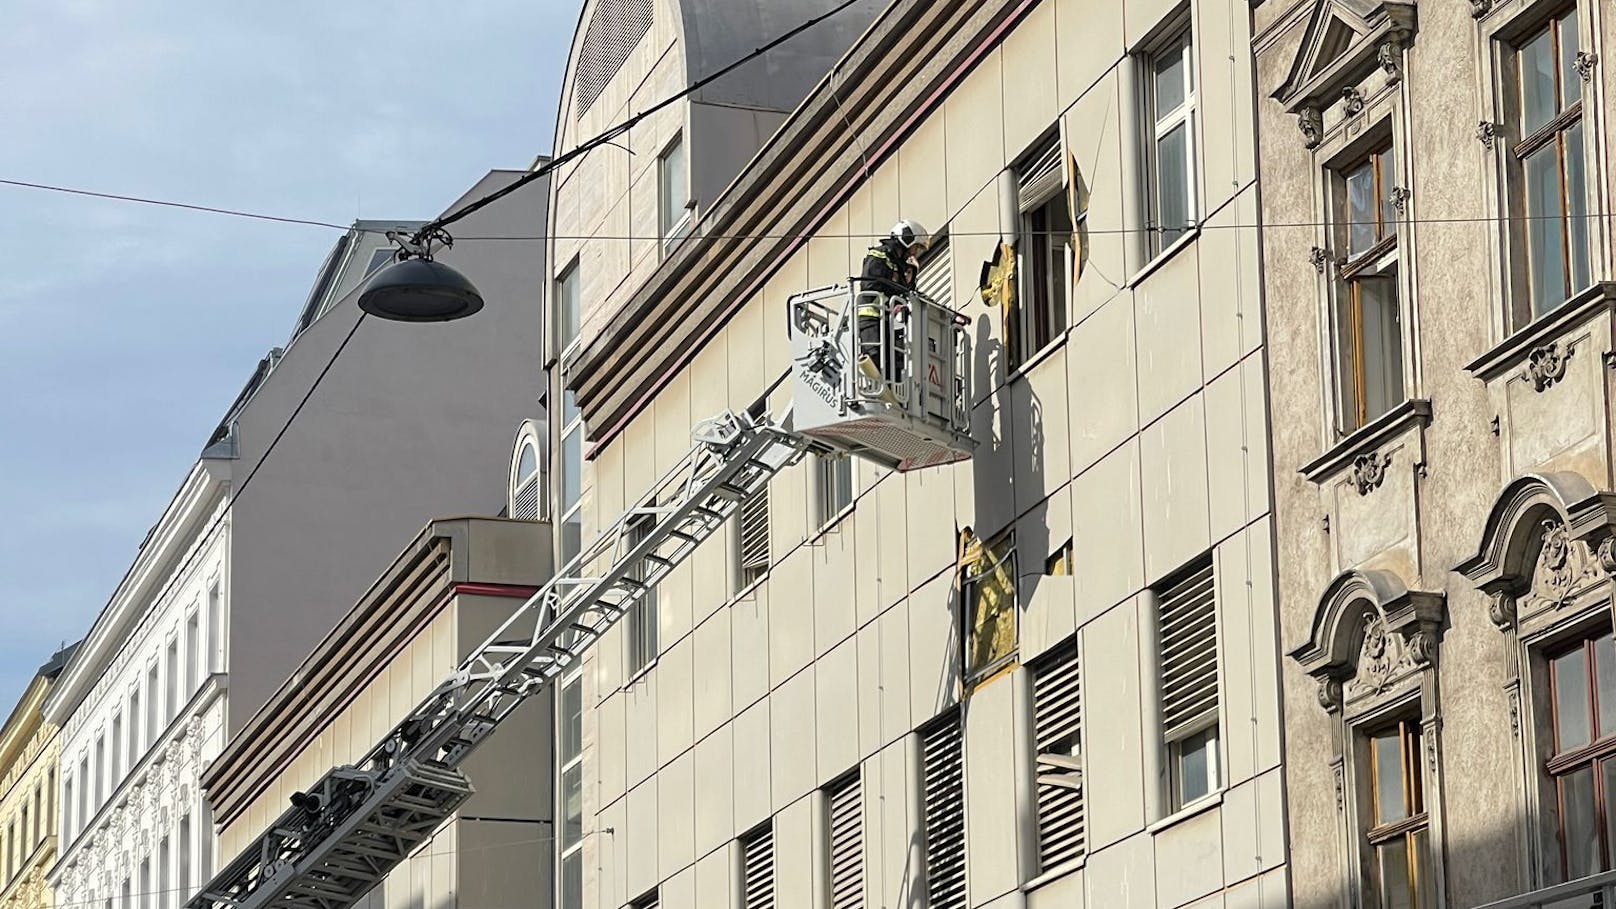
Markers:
67,808
171,670
673,182
571,486
151,706
752,549
757,868
1057,708
567,314
1582,682
524,503
642,613
134,727
100,768
23,834
1170,124
204,851
1045,247
845,847
1368,320
833,481
164,887
216,640
1398,835
378,258
942,760
185,847
192,656
1548,167
84,794
569,738
145,884
126,897
117,749
989,583
1187,624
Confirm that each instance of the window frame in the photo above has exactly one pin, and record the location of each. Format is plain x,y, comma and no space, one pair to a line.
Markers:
563,288
1525,307
1372,834
567,763
835,489
1044,268
1381,260
672,230
572,431
1592,756
1207,724
970,590
1178,37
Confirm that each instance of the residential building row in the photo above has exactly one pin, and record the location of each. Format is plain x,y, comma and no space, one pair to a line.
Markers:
1280,574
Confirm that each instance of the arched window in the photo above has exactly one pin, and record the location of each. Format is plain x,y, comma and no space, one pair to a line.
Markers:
524,495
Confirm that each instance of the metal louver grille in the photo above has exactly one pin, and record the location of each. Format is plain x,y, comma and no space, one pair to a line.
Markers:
1041,174
757,869
943,769
754,523
936,277
846,845
614,29
1189,649
525,500
1057,734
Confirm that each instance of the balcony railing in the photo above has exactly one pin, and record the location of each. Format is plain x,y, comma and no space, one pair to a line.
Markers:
1584,893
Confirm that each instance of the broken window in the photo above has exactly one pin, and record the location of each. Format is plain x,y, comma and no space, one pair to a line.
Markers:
1045,247
988,575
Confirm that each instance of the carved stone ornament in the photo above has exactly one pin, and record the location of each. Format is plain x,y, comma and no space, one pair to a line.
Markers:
1400,196
1320,257
1352,101
1390,55
1565,567
1369,471
1584,65
1330,694
1488,132
1546,365
1479,8
1501,611
1311,122
1340,791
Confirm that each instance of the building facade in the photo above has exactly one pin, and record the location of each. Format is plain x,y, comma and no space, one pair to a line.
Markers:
29,760
1438,261
1045,676
443,596
257,557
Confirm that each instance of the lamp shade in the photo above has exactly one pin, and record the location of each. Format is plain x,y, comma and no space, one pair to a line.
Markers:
419,290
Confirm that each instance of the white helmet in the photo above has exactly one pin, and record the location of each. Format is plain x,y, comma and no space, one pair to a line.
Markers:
911,235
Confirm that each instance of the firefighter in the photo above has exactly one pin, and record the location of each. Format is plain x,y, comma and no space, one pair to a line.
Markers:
890,268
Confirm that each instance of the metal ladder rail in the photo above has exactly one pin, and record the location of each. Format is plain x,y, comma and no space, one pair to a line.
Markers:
304,859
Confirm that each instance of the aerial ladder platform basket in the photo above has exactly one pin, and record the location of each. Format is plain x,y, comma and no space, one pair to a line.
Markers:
907,407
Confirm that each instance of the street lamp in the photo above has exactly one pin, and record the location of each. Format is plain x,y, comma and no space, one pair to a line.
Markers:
415,288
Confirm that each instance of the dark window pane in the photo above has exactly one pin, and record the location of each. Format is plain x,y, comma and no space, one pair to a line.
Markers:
1416,787
1577,208
1195,766
572,460
1570,82
1609,768
572,805
572,881
1169,80
572,722
1539,102
1396,885
1382,345
571,539
1578,823
1388,755
1360,208
1543,229
1605,692
1419,849
1346,333
1572,723
1172,179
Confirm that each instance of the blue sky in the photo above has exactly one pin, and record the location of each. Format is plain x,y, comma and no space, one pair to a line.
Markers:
125,330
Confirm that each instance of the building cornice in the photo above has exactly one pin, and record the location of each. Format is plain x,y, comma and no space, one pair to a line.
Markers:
903,67
179,528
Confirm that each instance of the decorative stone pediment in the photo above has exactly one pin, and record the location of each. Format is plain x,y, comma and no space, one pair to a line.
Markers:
1370,635
1344,41
1550,538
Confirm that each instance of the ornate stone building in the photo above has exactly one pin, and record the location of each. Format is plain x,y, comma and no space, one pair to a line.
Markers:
1438,262
29,758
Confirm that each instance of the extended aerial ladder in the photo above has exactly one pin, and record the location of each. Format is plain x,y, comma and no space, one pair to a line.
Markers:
350,829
